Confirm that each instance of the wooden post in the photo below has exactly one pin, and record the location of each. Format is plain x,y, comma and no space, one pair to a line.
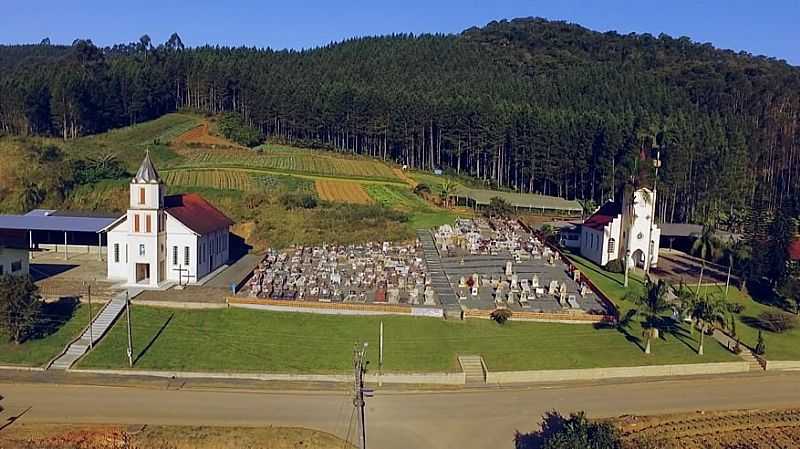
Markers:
66,249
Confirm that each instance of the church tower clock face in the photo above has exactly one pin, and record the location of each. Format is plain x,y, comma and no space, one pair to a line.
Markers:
640,236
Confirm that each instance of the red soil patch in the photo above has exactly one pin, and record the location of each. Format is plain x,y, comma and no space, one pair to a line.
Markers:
201,136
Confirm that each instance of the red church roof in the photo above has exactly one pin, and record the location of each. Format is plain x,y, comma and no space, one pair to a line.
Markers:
196,213
794,249
603,216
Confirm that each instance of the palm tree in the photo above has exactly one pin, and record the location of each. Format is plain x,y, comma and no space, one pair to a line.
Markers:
652,305
709,311
686,300
705,246
448,186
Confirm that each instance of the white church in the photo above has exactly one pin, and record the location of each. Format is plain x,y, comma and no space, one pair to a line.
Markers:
165,240
615,230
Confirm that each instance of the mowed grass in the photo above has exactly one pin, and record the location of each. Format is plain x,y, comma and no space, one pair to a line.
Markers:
783,346
422,215
242,340
38,351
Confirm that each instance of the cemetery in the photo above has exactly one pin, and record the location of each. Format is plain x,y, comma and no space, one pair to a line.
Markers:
372,273
498,263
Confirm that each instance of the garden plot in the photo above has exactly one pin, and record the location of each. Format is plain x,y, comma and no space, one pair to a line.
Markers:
218,179
342,192
286,160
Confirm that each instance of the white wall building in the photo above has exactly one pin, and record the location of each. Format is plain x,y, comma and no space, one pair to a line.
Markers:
615,229
14,253
13,261
179,238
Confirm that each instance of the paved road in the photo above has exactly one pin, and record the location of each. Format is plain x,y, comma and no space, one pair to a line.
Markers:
463,419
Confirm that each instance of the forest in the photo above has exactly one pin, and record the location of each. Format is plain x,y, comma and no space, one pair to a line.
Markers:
527,104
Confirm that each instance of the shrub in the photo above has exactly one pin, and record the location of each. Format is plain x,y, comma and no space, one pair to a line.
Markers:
734,307
761,346
777,321
500,316
422,189
615,266
298,200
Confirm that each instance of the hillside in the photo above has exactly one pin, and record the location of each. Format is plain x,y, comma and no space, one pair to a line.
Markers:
279,195
548,107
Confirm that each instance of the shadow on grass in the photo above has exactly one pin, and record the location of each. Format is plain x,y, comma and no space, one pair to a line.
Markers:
678,331
764,294
54,315
155,337
623,326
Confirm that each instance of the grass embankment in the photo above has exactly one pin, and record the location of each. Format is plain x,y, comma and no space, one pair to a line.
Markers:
58,327
241,340
783,346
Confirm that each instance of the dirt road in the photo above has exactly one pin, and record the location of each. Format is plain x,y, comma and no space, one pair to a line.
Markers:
463,419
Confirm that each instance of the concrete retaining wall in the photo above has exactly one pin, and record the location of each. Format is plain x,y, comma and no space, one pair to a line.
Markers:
419,378
510,377
179,304
390,378
21,368
778,365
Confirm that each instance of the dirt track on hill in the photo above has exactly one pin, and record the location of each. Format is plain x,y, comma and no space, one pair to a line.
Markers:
200,135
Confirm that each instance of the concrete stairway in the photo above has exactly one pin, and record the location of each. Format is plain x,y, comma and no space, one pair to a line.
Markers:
439,281
472,365
748,357
101,324
746,354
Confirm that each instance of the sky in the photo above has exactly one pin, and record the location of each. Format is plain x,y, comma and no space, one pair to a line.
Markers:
768,27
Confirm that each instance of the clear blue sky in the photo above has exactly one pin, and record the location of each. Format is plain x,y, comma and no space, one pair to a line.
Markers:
767,27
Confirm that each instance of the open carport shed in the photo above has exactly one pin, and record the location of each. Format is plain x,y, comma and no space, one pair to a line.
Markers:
59,228
530,201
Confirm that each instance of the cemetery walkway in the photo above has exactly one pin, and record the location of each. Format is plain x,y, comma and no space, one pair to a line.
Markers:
439,281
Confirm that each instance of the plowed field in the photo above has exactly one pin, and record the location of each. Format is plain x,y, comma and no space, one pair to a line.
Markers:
751,429
342,192
218,179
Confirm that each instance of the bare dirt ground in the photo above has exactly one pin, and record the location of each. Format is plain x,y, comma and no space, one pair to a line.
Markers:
60,436
202,137
675,266
750,429
400,173
58,277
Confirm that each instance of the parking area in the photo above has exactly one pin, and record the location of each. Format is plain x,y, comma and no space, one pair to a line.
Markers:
59,277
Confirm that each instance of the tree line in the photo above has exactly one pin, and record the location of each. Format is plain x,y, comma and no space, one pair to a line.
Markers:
527,104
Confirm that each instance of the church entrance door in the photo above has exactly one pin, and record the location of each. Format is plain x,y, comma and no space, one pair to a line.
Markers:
142,272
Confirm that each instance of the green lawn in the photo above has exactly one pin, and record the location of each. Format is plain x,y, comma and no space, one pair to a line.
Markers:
38,351
785,346
249,340
612,284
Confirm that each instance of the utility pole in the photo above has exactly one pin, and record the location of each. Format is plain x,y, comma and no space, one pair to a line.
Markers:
91,335
380,358
130,337
359,392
